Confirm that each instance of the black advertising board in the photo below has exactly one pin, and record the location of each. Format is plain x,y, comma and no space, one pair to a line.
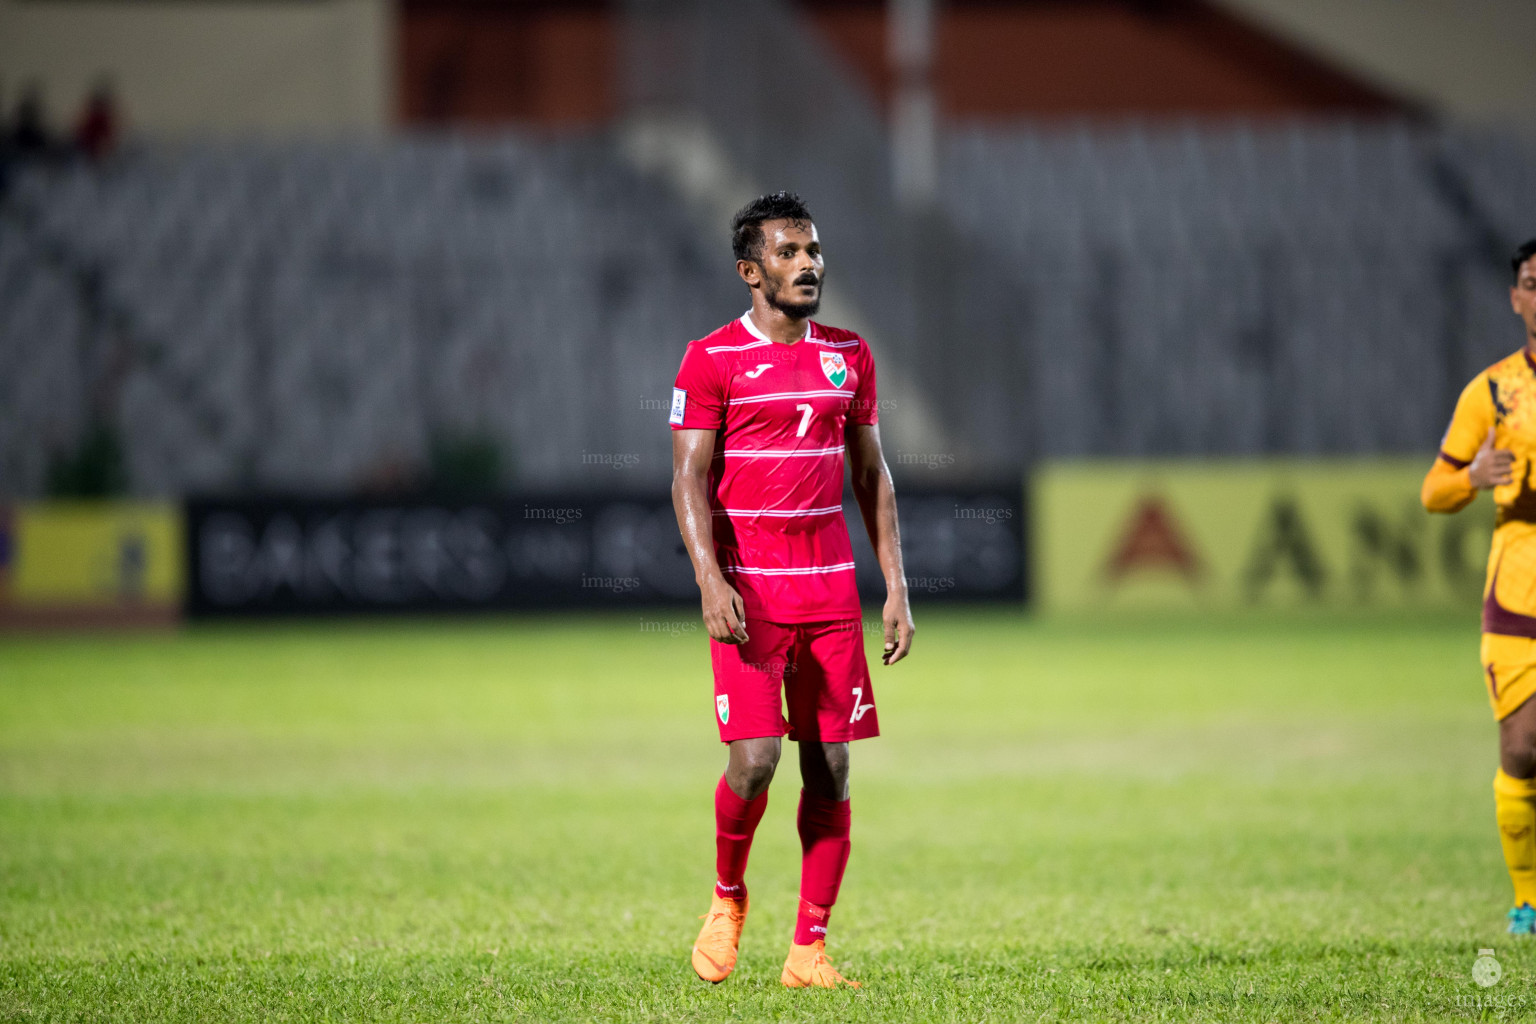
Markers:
301,557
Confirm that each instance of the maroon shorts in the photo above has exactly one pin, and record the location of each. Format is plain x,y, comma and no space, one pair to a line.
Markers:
817,668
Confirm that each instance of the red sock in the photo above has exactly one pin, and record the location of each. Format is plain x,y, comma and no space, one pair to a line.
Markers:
811,923
824,827
735,822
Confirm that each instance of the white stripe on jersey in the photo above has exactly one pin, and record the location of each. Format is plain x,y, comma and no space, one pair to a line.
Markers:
787,572
783,512
737,348
760,453
790,394
854,343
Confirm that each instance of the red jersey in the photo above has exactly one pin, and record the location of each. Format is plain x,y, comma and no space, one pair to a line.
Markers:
776,482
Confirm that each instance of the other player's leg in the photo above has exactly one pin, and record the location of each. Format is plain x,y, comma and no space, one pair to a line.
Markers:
1514,799
1511,678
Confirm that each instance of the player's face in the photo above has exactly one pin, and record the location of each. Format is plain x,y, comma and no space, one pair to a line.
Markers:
791,268
1523,296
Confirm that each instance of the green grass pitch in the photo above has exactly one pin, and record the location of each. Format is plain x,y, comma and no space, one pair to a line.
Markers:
511,820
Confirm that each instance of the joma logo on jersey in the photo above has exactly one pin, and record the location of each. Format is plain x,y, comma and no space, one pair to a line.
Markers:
834,367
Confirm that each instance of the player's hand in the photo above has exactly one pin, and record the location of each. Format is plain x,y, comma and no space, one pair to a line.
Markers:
724,614
898,628
1491,467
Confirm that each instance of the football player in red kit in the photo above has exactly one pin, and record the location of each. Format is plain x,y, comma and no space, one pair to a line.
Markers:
764,411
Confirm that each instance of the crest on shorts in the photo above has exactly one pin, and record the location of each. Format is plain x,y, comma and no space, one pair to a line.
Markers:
723,707
834,367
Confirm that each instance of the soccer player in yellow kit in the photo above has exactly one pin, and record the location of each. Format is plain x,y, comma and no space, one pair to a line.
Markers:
1491,444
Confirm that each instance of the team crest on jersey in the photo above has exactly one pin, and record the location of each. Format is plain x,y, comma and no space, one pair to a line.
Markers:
834,367
723,707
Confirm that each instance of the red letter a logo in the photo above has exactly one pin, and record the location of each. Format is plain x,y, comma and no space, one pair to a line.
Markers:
1152,540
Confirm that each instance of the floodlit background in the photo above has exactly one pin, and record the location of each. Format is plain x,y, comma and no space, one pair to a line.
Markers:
351,663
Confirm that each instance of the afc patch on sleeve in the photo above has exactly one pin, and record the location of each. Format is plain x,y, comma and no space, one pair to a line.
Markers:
679,403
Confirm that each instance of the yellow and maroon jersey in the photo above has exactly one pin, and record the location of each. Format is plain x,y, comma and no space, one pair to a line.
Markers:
1503,399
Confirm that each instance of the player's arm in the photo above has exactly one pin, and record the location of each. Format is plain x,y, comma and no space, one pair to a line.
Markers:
724,614
1467,462
876,494
1448,488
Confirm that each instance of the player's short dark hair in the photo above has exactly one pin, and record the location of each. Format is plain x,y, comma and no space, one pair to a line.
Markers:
1522,254
747,239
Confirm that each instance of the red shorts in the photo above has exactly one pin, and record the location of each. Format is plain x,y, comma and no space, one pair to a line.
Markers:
819,669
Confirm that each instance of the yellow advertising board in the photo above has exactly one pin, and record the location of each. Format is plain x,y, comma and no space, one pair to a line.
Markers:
87,563
1271,533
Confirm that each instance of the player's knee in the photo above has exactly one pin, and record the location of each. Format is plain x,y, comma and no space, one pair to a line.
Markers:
825,772
837,763
753,767
1517,741
754,778
1519,757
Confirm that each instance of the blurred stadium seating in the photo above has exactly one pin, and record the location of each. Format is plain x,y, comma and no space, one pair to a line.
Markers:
307,317
320,317
1312,287
287,317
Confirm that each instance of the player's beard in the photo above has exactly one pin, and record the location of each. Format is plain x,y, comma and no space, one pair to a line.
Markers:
796,310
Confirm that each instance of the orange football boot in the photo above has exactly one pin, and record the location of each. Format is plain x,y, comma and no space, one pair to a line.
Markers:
808,967
714,954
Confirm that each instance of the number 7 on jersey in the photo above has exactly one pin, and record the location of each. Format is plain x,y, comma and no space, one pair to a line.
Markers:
804,408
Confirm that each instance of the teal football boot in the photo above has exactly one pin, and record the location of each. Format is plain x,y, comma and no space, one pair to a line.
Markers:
1522,920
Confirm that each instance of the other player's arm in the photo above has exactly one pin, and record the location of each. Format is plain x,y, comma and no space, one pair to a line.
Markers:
1450,489
1467,462
724,614
876,495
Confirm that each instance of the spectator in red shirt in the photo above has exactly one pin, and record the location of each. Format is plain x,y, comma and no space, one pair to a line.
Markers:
96,132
